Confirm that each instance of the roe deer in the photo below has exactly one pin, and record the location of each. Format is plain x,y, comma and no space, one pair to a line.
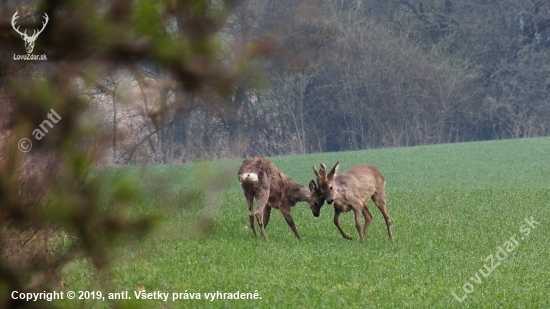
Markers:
351,190
260,179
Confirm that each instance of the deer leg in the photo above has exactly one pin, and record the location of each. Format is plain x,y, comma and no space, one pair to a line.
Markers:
357,213
288,218
368,218
250,204
267,214
380,201
262,204
337,223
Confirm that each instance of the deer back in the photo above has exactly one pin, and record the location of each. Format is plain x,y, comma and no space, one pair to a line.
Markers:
283,190
360,181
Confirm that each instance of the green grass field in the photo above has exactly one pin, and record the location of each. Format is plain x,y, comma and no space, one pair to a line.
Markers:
458,213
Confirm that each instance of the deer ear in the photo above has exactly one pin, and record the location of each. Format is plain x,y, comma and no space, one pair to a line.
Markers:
312,186
332,174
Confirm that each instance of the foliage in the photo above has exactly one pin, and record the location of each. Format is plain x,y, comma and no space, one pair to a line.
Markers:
52,207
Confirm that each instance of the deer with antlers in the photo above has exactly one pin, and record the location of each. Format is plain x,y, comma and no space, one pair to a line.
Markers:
29,40
351,190
261,180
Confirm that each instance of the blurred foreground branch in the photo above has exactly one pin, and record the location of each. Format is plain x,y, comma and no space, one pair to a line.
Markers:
51,209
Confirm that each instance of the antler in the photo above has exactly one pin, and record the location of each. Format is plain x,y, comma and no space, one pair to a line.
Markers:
321,174
13,24
316,172
323,171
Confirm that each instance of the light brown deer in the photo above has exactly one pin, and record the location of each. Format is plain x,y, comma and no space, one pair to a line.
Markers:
261,180
351,190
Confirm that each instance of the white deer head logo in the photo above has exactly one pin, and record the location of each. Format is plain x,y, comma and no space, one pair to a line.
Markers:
29,40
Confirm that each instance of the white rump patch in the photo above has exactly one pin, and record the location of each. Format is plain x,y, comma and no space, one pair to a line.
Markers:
252,177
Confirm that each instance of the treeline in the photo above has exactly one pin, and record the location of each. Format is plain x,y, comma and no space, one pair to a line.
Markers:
347,75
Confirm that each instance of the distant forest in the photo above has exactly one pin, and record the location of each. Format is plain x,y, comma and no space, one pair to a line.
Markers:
341,75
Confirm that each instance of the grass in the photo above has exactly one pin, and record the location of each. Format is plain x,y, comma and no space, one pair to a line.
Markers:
452,207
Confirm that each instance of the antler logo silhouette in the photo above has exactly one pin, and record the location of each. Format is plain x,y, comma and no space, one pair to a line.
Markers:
29,40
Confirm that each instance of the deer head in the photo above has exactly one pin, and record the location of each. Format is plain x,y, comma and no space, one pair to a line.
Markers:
316,200
326,181
29,40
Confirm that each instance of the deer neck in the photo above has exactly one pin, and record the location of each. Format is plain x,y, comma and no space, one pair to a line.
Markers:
299,194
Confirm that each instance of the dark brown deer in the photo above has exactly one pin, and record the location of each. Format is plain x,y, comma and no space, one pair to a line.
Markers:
351,190
261,180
